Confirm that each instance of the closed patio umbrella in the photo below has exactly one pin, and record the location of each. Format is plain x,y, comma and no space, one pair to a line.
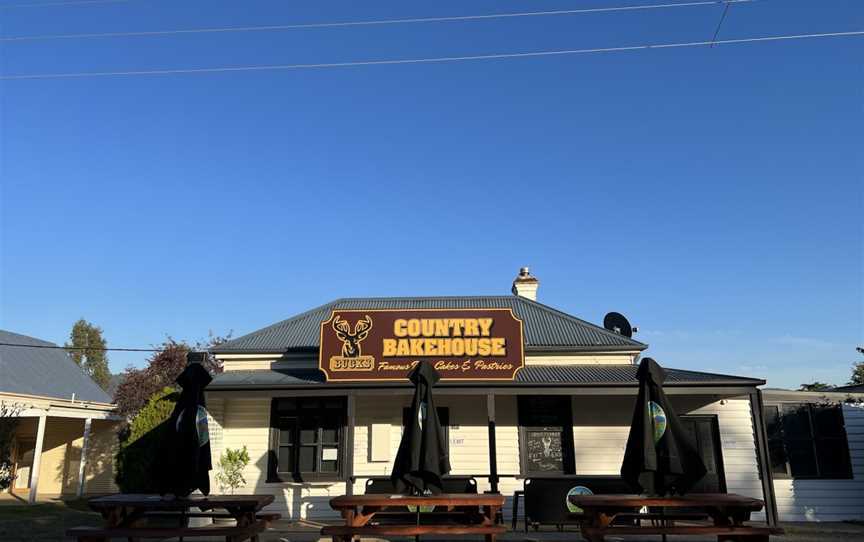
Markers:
659,459
422,457
185,459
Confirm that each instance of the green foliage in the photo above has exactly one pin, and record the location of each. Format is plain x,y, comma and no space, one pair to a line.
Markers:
162,369
816,386
89,351
857,374
8,424
140,443
231,465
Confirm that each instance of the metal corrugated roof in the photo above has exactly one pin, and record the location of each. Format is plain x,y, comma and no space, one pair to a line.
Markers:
532,375
545,328
620,374
857,388
46,372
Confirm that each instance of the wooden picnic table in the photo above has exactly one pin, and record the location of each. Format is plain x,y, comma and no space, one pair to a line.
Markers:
126,516
728,513
480,513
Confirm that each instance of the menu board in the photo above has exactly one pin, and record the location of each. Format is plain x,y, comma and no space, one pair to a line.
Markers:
543,450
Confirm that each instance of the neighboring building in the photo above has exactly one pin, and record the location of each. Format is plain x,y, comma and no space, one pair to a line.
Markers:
851,388
558,401
65,442
816,444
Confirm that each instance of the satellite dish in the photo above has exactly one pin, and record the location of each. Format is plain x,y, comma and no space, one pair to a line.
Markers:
615,321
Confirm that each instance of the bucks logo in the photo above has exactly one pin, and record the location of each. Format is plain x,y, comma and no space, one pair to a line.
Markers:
352,358
351,341
658,420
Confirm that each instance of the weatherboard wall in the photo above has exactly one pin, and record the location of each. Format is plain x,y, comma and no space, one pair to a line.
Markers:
600,428
828,500
99,467
245,422
61,455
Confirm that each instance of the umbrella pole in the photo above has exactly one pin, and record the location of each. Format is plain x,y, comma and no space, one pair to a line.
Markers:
417,512
417,515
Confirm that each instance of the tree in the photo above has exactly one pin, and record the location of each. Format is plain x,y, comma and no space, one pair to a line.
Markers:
231,465
87,349
139,385
857,371
857,374
9,421
163,368
816,386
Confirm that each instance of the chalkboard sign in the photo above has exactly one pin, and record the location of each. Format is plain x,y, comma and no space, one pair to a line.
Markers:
543,450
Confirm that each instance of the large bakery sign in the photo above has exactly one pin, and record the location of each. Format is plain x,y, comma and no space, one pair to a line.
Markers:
462,344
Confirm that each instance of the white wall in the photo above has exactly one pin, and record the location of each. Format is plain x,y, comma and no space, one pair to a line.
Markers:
828,500
246,421
600,434
469,436
738,444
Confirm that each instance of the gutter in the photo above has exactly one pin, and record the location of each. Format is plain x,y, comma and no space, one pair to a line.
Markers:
478,385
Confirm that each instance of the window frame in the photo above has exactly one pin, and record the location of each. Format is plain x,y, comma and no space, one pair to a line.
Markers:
274,474
813,440
568,459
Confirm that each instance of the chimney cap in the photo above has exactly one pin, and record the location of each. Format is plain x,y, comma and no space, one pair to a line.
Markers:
525,275
525,284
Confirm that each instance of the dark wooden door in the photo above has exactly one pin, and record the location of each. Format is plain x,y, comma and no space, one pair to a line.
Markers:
704,432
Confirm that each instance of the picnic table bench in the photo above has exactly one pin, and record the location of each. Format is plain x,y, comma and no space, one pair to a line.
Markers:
358,511
728,513
131,516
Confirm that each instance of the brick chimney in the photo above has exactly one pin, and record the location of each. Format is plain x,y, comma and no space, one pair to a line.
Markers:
525,284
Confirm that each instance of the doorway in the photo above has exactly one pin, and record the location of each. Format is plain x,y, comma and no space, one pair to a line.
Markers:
704,432
24,453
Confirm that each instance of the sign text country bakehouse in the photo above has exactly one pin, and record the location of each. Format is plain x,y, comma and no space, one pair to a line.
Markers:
462,344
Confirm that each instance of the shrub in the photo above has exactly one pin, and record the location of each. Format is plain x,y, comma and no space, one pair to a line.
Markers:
231,465
139,385
8,424
140,441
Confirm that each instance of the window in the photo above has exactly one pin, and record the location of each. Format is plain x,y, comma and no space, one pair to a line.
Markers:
546,435
306,439
807,441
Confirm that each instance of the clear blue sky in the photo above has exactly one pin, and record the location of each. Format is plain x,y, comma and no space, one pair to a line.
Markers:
712,195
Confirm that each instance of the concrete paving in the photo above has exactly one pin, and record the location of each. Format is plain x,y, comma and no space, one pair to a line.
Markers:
795,532
48,522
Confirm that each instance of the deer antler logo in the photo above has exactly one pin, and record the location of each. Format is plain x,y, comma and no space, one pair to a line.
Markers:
351,341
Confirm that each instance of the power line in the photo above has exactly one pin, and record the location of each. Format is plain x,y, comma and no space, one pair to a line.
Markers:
61,4
54,346
275,67
720,24
371,23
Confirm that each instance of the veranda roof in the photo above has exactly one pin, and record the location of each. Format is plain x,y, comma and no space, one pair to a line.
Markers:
529,376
